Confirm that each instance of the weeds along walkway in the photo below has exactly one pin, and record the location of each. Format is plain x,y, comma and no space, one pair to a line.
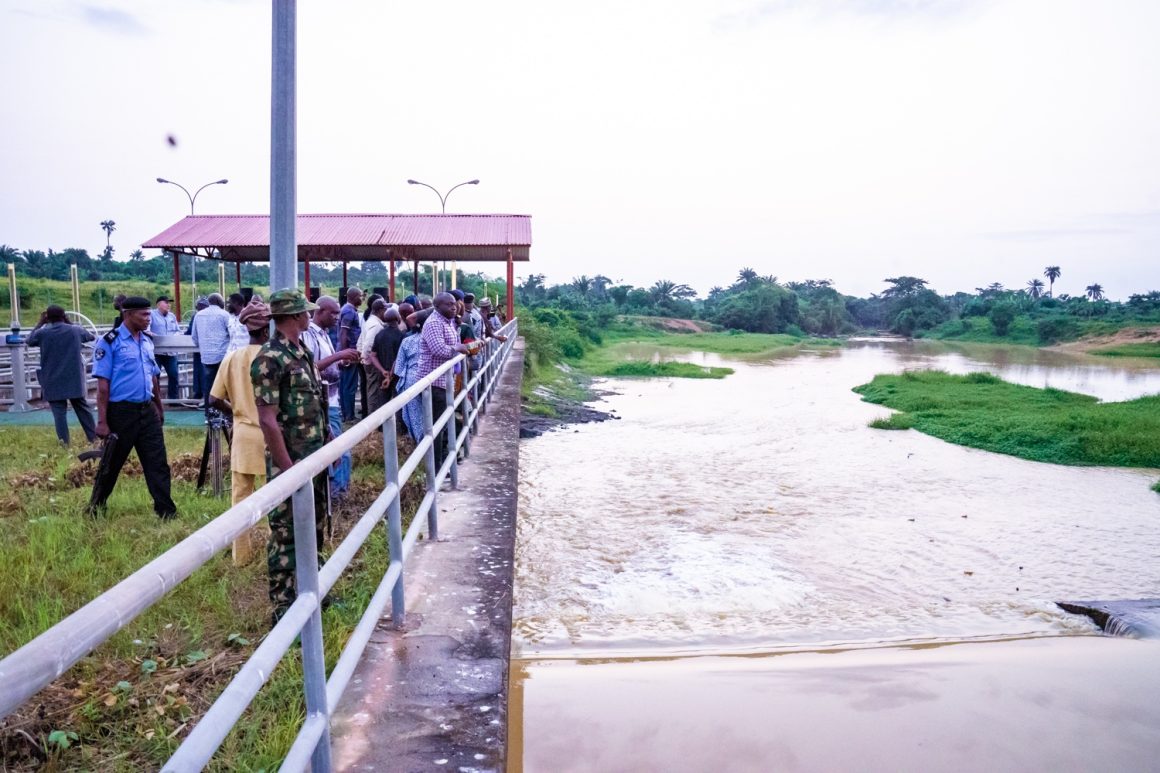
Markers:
41,661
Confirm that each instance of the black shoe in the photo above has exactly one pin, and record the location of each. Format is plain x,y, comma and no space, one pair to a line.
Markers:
167,516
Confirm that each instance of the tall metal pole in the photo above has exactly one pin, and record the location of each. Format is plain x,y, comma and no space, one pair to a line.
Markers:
283,151
284,276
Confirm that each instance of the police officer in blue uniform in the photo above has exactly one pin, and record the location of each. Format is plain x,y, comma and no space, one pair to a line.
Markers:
129,406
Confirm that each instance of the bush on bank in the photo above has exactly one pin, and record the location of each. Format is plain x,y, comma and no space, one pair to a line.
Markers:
980,410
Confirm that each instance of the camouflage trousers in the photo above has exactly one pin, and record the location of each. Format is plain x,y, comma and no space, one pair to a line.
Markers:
280,556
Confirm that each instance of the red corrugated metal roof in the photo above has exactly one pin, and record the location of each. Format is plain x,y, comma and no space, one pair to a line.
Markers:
357,237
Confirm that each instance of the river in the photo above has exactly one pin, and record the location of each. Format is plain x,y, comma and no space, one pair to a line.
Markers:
725,532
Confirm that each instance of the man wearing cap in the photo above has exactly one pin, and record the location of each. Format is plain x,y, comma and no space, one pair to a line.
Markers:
162,323
292,413
233,395
129,406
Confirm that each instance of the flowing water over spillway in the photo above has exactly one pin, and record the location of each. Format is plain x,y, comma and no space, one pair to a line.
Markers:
760,514
760,511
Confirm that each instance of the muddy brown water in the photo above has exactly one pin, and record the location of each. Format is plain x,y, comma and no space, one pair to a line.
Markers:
722,524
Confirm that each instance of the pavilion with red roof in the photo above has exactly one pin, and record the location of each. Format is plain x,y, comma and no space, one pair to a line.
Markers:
344,239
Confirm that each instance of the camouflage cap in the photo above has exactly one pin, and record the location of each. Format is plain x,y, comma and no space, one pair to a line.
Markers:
288,302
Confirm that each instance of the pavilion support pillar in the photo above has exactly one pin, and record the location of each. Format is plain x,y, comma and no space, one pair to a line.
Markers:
391,289
511,288
177,284
415,275
454,274
306,276
344,267
238,274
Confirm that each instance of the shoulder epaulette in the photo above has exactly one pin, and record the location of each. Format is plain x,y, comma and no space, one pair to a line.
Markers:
110,337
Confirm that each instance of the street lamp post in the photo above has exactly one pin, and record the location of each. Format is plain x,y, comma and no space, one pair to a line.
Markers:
443,204
192,199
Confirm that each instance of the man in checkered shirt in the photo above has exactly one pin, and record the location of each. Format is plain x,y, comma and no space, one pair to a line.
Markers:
438,344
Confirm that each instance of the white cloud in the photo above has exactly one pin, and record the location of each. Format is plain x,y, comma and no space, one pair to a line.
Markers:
647,139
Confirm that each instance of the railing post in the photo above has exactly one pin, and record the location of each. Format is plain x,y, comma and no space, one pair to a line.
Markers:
452,435
488,376
19,382
313,657
394,516
429,458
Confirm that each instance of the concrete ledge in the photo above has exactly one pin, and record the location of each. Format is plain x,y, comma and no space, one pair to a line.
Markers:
434,695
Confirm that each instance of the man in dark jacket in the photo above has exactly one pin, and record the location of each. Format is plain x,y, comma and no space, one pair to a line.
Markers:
62,370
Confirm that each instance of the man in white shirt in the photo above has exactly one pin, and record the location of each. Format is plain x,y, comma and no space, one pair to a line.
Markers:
326,360
163,323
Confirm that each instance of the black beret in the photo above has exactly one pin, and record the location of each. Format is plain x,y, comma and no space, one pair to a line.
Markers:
134,302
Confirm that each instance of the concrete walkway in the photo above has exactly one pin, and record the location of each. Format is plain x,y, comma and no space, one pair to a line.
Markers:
433,696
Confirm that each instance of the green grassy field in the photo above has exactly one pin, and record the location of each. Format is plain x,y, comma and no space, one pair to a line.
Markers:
1045,425
130,703
1149,349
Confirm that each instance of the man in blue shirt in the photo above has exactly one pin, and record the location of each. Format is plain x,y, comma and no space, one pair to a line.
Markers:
162,323
129,406
349,327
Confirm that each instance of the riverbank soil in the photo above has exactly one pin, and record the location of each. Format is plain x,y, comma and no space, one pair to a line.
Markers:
1129,335
1059,704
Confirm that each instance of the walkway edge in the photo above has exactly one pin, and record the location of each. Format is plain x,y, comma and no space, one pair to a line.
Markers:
434,695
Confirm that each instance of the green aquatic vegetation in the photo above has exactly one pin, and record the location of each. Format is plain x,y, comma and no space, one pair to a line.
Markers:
732,342
641,369
1046,425
1148,349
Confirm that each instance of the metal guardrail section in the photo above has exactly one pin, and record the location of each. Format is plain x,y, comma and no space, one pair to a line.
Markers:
32,667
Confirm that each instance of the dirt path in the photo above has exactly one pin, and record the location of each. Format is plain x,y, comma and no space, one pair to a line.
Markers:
1129,335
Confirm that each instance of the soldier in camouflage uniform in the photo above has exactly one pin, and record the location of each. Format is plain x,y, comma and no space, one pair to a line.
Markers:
292,412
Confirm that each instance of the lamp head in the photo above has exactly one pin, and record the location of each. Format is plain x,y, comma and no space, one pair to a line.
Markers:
412,182
162,180
223,181
473,182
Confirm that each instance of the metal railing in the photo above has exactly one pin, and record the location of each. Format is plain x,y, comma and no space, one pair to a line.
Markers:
35,665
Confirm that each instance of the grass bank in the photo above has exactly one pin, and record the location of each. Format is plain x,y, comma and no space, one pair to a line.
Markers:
566,349
1148,349
129,704
1045,425
1043,330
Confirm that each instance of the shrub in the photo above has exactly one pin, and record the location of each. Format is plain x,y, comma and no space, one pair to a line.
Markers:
1002,315
1055,329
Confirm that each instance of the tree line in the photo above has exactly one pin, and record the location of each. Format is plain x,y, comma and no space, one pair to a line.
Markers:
906,306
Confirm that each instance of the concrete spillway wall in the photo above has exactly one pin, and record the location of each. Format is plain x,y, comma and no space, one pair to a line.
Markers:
433,695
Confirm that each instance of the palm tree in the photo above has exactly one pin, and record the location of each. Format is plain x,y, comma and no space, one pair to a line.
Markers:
1094,292
1035,288
108,226
136,256
665,291
1052,273
746,275
582,285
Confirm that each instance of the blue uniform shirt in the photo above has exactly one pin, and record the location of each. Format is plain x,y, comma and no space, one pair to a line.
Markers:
160,325
127,364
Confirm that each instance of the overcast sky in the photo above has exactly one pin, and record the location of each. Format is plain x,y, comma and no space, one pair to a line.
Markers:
963,141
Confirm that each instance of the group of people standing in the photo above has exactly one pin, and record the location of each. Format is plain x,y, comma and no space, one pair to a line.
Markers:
287,394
